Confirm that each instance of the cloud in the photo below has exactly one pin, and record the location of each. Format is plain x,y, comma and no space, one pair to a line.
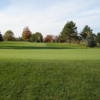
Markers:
51,18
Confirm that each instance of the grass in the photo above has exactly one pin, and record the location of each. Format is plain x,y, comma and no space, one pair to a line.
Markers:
30,45
49,74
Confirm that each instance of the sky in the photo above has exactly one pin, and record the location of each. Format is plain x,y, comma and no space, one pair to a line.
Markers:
48,16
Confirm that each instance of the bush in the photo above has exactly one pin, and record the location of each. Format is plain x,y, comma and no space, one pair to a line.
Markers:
91,42
98,38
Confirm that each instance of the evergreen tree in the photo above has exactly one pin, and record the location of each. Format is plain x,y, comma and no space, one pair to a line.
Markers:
86,32
69,31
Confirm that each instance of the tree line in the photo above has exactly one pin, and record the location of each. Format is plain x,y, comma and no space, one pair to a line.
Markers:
69,34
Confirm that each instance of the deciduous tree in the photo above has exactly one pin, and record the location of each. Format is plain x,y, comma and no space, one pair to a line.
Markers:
26,34
37,37
48,38
9,35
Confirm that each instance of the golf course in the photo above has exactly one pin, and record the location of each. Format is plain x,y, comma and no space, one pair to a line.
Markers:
50,50
49,71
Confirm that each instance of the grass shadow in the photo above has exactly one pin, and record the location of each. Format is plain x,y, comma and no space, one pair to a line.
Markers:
32,47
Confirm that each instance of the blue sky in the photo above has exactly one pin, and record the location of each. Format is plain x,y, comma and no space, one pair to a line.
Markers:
48,16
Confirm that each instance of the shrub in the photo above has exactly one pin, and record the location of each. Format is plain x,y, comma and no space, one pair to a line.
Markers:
98,38
91,42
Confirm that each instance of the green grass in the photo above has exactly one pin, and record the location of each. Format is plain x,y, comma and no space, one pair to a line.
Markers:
48,74
30,45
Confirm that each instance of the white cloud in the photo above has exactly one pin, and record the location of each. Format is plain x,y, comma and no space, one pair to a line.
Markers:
48,20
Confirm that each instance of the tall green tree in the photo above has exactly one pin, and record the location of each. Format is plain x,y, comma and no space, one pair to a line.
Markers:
26,34
32,38
69,31
86,32
9,35
62,38
37,37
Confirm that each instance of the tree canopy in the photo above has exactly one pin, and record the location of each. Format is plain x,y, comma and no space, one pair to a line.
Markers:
86,32
69,31
26,34
69,34
9,35
37,37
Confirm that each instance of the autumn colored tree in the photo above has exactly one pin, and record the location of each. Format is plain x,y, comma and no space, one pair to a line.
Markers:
26,34
48,38
9,35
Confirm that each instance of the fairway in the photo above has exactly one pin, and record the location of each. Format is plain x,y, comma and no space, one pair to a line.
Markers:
49,50
50,54
47,72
